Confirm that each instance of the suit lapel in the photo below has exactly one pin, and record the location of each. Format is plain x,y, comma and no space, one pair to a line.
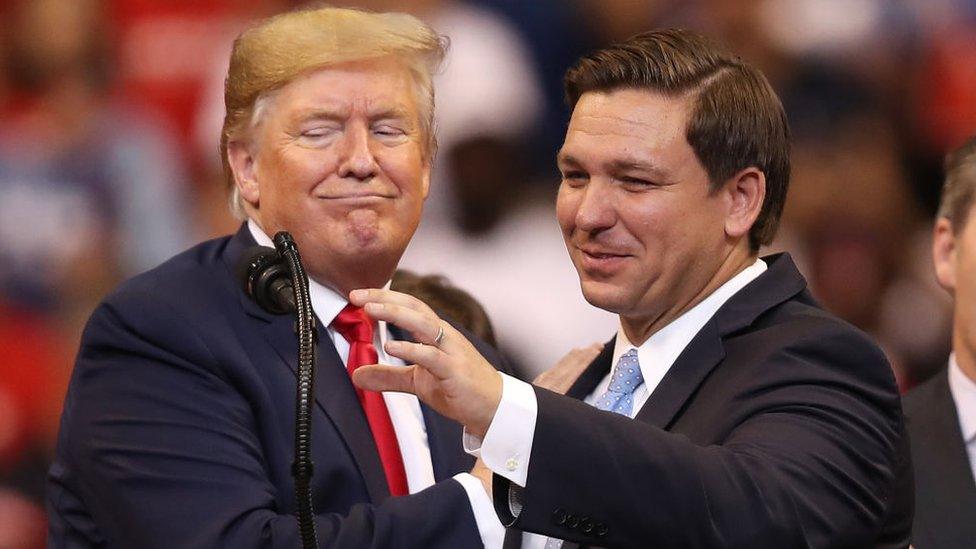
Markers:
780,282
444,441
684,376
334,392
594,373
948,490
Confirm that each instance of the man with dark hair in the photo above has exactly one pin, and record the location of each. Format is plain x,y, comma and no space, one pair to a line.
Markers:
730,410
941,413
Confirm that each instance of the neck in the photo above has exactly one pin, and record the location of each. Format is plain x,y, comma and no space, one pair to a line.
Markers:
640,329
344,279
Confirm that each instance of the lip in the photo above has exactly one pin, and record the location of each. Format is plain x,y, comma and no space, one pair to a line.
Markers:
357,198
597,261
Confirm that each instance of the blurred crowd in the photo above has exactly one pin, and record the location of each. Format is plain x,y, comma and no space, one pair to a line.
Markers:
109,119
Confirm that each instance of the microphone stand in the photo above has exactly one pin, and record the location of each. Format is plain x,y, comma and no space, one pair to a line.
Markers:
301,468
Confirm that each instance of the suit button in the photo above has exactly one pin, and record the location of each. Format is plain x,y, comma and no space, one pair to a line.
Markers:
601,529
559,516
586,525
572,521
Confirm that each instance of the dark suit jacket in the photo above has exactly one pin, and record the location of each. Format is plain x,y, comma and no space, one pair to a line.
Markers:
945,493
778,426
178,429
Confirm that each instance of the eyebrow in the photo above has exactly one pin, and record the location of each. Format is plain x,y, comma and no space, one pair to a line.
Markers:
339,114
618,165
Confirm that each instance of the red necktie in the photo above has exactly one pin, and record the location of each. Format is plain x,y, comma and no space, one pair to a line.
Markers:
357,328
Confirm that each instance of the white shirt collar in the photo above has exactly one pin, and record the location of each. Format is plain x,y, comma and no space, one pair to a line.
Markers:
963,390
658,353
326,302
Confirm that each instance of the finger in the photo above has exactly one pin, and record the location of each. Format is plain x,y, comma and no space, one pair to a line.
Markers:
424,327
542,378
378,295
428,357
382,377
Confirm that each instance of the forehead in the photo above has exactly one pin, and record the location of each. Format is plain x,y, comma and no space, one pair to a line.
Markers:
627,122
370,86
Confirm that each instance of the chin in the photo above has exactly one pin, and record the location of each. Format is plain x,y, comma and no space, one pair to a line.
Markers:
604,296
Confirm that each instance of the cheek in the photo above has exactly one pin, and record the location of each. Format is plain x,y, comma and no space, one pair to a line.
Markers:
289,173
647,221
405,169
566,206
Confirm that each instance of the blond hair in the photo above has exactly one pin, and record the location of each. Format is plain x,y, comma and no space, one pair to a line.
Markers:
278,49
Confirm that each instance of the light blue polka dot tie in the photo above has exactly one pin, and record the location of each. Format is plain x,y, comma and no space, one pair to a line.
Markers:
627,377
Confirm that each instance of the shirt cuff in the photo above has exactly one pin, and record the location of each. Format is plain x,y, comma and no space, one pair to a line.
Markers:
507,445
489,527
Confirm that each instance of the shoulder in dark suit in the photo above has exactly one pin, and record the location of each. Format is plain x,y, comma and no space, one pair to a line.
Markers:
945,493
178,429
778,426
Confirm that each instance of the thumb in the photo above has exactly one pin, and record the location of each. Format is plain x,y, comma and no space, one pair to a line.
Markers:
381,377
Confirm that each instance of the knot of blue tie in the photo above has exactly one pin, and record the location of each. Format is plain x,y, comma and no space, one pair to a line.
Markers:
627,377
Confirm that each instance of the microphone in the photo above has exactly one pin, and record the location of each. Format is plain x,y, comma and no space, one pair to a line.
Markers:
275,278
266,279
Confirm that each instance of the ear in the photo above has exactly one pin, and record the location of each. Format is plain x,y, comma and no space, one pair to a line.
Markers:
242,160
425,178
744,193
944,254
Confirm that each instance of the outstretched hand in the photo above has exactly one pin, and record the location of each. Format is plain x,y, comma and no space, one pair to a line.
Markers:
446,371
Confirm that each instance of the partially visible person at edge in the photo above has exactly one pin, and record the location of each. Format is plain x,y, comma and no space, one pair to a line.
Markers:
729,409
941,413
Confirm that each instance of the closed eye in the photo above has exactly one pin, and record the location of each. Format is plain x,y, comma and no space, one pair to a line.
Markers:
317,132
635,181
388,131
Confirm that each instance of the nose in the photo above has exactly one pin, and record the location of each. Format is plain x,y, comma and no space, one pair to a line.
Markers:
357,160
595,211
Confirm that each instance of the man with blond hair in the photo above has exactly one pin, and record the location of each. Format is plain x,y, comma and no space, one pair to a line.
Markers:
179,421
941,413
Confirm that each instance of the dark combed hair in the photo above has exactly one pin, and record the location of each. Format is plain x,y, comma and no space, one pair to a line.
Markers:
959,190
736,121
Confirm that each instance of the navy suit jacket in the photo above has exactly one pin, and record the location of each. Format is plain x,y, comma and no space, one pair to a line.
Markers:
778,426
178,429
944,487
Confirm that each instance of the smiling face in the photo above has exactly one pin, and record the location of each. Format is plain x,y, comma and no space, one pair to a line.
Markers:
645,233
338,159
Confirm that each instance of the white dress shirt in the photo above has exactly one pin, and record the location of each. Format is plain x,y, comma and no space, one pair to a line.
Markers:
963,390
507,446
404,409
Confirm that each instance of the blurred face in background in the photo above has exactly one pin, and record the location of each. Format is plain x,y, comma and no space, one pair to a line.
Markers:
954,253
338,159
640,223
51,38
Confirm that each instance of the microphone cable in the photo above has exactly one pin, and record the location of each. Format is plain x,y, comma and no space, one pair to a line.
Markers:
302,467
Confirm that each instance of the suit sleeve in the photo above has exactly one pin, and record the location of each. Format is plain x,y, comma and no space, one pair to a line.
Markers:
811,463
162,450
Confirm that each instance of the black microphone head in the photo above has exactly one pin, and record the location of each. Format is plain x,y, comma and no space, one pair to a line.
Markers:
265,278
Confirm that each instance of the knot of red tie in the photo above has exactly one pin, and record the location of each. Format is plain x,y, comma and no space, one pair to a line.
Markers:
354,324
